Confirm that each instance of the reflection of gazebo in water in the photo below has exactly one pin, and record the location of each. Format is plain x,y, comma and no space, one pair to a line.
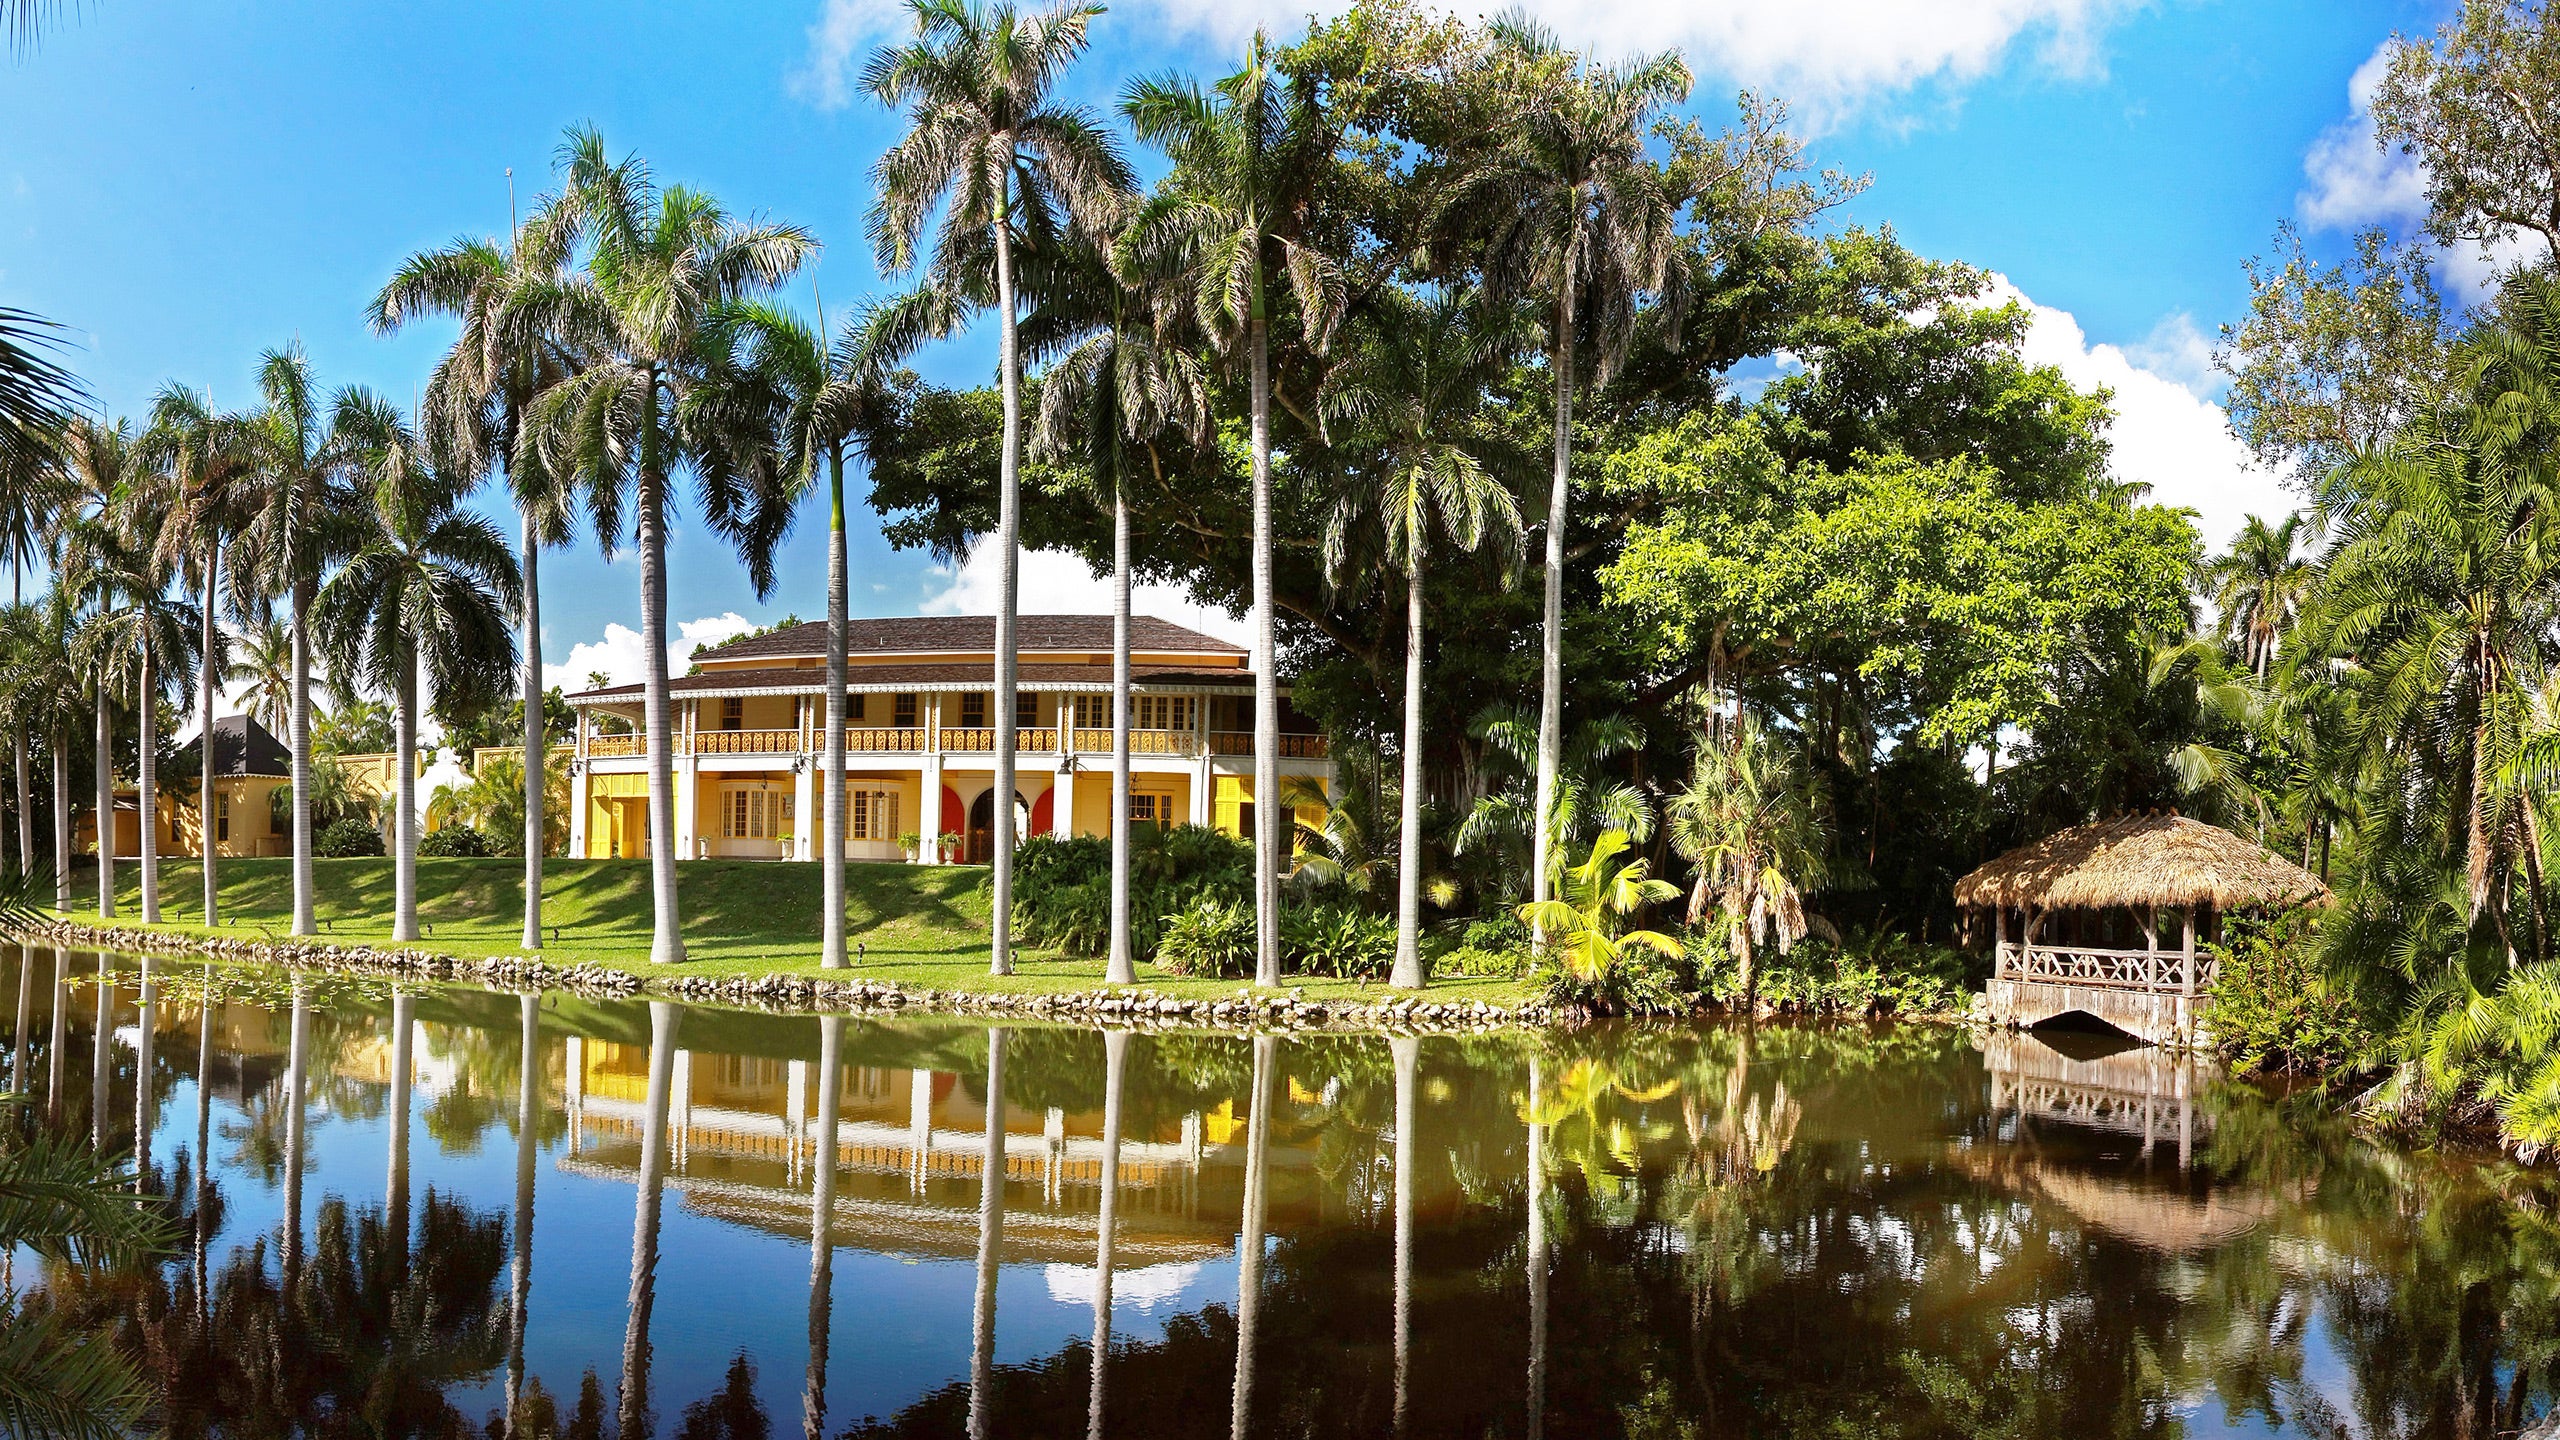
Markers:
2105,919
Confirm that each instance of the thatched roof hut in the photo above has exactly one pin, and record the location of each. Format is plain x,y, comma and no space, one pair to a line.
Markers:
2139,862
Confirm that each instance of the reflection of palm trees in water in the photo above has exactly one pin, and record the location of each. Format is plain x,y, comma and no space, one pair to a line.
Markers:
663,1018
20,1056
822,1212
520,1281
404,1009
982,1329
1537,1254
1115,1056
1407,1050
142,1096
1257,1166
53,1049
296,1083
101,1061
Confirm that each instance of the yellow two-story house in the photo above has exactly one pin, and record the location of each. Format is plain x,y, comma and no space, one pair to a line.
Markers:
750,740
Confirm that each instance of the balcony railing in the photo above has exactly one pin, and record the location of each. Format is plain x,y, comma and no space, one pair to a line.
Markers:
1292,747
1141,742
608,747
2100,967
883,739
746,742
974,740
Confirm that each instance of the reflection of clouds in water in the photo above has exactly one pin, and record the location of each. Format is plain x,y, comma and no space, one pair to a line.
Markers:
1144,1288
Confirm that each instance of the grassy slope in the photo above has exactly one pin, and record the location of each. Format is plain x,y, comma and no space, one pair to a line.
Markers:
919,925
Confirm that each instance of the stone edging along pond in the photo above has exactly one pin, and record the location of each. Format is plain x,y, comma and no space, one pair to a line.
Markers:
799,992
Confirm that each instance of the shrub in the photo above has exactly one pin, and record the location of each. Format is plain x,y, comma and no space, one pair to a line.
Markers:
1062,888
1864,973
347,839
1338,940
2273,1009
455,842
1641,982
1211,938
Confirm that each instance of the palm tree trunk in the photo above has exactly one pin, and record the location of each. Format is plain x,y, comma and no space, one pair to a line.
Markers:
528,1138
1123,969
303,921
404,802
297,1081
1115,1056
663,1022
61,819
1408,966
206,803
822,1215
106,806
1266,690
536,744
1407,1051
1008,549
146,808
982,1329
1537,1255
1257,1198
26,804
831,863
1551,632
666,945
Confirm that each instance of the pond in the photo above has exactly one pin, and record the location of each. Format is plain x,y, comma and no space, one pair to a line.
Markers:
439,1210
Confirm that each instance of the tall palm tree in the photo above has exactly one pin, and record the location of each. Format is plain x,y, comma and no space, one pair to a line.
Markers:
138,644
2444,586
202,456
33,490
260,661
38,397
1002,163
1421,372
1119,389
98,467
1581,218
660,267
1245,161
2260,584
425,595
819,401
295,521
1758,836
475,408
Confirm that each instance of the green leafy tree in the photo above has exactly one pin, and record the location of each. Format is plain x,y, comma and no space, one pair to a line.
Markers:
1585,927
2473,104
2259,585
990,151
1759,836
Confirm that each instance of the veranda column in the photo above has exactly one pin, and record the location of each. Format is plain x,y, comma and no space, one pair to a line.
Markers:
1062,802
929,812
804,819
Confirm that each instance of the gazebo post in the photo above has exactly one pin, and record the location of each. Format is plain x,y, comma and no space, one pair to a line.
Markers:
2150,945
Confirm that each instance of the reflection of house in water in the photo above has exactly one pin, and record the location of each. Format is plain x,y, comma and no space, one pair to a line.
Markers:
2090,1083
910,1150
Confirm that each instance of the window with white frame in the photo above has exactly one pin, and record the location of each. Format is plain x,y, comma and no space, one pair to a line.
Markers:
1160,712
871,813
750,812
1151,807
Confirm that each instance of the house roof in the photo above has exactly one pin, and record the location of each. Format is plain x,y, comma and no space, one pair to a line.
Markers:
2138,860
874,679
241,748
919,634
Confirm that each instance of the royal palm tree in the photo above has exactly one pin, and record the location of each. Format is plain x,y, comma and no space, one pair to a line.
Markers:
1422,370
661,266
424,596
819,402
38,399
1004,165
1580,218
44,699
33,490
474,414
202,456
295,519
137,643
99,466
1246,159
260,661
2259,585
1758,835
1123,386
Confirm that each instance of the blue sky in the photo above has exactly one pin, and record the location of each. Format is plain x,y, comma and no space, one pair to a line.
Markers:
188,185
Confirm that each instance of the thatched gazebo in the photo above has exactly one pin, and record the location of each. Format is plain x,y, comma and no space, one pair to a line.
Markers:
2088,908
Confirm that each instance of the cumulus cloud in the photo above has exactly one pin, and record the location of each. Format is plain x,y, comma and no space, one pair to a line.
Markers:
2355,181
1054,582
622,658
1825,54
2169,433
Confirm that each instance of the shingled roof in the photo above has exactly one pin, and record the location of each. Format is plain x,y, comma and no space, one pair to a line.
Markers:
922,676
914,634
242,748
2137,860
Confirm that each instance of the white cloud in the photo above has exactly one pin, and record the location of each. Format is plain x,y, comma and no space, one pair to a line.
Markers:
2169,433
1054,582
847,31
1144,1288
1825,54
622,659
2355,181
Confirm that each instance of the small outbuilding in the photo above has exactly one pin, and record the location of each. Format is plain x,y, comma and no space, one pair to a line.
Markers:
2109,919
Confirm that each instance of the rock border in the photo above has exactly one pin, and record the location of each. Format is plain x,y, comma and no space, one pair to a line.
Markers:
1138,1007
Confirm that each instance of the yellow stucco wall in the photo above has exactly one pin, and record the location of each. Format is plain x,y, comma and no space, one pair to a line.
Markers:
1093,797
1233,792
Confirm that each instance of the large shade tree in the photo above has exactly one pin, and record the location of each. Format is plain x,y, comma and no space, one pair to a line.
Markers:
659,267
1004,166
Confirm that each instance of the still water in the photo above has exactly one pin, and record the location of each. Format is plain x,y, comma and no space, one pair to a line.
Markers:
437,1210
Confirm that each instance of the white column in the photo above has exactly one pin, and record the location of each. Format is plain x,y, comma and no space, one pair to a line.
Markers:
1202,780
929,818
804,816
795,1088
575,1091
1062,803
683,1107
920,1125
578,802
1053,1136
686,782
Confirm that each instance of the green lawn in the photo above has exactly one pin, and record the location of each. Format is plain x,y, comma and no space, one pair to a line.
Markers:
919,926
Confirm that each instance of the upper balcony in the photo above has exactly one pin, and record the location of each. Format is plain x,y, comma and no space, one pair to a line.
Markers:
872,740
